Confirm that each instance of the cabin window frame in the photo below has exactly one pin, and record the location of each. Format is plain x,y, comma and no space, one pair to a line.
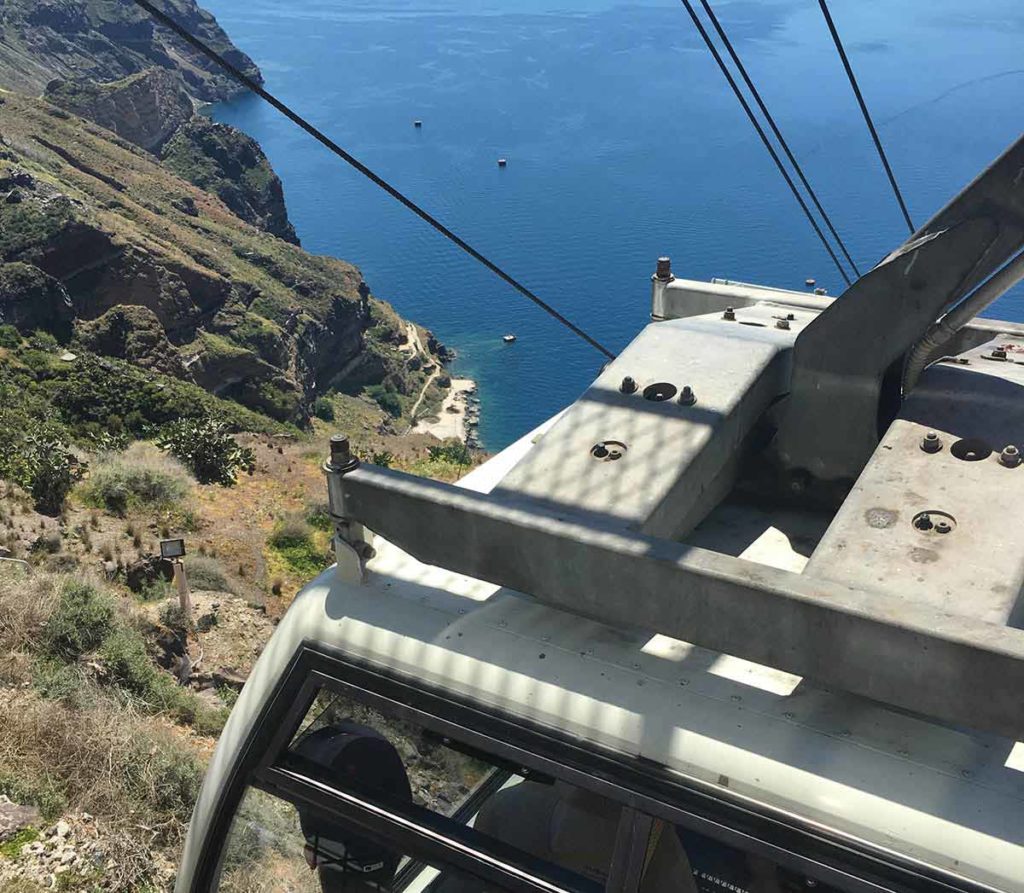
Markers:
644,790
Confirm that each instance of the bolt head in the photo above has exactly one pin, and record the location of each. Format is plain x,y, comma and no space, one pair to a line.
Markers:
999,354
664,269
686,396
931,442
730,313
628,385
782,323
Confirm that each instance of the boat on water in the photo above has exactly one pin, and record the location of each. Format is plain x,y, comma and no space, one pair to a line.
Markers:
508,339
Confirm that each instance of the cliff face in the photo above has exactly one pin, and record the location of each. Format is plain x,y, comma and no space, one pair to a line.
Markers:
231,165
107,40
91,225
153,110
145,109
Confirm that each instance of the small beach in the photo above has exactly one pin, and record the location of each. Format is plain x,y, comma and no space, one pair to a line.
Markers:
457,412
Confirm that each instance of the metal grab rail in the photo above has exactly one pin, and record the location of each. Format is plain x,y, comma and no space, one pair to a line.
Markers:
903,653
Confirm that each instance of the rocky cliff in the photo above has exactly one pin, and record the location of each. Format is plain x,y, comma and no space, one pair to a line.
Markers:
96,233
154,111
146,108
106,40
230,164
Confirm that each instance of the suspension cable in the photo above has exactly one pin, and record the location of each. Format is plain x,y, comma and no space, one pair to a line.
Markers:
864,111
764,138
318,135
778,134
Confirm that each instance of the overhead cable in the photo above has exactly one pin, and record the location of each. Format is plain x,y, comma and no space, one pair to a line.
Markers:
864,111
318,135
775,130
764,138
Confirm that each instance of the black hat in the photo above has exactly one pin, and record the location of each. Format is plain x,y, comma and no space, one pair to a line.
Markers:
351,756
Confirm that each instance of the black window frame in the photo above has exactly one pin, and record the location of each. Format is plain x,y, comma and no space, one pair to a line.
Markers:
641,787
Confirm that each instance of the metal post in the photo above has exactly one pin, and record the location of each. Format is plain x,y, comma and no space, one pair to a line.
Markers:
184,596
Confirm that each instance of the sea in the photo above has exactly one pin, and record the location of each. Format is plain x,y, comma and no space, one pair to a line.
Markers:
623,142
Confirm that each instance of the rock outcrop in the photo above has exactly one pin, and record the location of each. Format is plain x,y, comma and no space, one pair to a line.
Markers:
106,40
146,109
158,272
223,160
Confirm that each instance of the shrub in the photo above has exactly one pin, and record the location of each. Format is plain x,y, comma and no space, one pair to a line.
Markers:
386,399
173,616
323,409
9,337
40,339
205,572
140,477
384,459
295,542
208,449
26,604
452,451
83,618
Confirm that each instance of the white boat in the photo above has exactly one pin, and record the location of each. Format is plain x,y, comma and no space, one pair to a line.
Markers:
509,339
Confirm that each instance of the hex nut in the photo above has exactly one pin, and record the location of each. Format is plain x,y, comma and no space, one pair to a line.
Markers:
686,396
730,314
931,442
628,385
1010,456
782,323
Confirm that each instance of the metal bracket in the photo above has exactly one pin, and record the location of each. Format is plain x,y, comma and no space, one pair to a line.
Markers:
903,653
841,396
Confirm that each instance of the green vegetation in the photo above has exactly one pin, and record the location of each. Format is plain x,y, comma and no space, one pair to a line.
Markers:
383,458
208,449
386,398
323,409
9,337
296,543
11,848
83,618
140,477
454,451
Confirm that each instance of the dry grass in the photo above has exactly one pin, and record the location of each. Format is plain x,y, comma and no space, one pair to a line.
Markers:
26,603
140,477
137,777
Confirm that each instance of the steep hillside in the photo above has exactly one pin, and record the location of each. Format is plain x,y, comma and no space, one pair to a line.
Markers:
90,223
153,110
105,40
145,108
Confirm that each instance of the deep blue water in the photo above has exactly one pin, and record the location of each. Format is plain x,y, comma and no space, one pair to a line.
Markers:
623,143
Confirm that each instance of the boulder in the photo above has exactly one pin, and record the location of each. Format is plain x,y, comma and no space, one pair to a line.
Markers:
15,818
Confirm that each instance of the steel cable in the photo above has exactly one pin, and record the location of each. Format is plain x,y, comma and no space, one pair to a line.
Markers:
775,130
318,135
864,111
764,137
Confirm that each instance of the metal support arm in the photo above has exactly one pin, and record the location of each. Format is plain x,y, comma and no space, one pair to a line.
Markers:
945,665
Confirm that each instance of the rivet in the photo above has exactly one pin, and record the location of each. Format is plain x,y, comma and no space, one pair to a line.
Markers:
931,442
686,396
628,385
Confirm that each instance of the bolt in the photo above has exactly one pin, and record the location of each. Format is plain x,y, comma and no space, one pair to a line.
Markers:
931,442
628,385
1010,456
999,353
790,316
599,451
686,396
664,270
341,454
729,314
943,527
821,291
924,523
782,324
